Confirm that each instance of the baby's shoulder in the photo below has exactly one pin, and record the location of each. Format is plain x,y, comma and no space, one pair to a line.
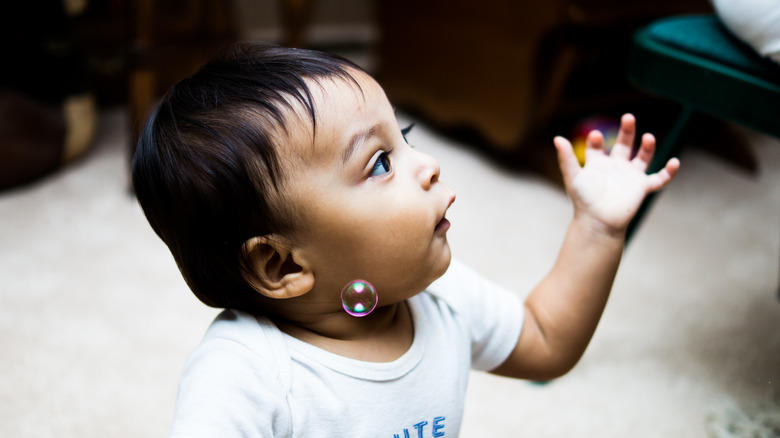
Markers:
229,378
469,293
238,345
459,286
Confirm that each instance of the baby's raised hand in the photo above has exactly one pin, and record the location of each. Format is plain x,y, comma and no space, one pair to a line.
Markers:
611,186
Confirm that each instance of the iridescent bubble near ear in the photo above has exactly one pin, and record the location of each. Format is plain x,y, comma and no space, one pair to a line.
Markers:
359,298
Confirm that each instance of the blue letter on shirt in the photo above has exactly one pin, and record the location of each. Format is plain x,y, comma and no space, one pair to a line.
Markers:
437,426
419,426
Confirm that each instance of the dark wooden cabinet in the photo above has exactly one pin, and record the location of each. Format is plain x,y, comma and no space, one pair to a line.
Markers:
505,69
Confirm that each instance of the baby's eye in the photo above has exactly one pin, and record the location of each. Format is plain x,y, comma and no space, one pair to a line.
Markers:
382,165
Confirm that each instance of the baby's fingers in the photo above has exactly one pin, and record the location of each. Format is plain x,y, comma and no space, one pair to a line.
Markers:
625,137
566,159
660,179
645,153
594,144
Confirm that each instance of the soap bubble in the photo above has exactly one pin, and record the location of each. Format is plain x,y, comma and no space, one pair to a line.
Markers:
359,298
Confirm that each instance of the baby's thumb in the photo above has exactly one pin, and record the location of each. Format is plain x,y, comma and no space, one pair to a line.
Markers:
567,161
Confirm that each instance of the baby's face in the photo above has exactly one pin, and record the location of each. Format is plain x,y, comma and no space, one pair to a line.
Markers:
370,206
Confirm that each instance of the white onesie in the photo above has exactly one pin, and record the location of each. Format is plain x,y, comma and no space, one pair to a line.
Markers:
249,379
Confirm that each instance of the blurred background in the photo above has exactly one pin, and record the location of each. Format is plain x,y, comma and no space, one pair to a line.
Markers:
96,321
501,75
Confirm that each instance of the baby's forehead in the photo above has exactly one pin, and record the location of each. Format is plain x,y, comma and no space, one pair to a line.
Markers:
333,102
337,92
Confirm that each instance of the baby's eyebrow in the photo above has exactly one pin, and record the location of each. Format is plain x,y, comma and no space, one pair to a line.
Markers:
357,141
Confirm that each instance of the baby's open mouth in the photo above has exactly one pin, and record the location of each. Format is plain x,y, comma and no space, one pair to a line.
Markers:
443,225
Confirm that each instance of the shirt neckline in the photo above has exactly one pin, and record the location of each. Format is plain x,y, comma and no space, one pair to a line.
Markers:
376,371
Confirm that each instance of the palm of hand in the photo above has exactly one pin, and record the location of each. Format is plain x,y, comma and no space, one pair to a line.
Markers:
610,190
610,187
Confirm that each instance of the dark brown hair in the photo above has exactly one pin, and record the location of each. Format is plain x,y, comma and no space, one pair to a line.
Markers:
206,170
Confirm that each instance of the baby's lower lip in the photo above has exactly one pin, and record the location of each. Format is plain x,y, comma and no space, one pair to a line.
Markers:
443,225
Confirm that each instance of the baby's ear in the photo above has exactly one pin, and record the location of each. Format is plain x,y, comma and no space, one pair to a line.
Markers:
272,267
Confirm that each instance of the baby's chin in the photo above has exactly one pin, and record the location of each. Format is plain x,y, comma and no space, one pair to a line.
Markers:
445,264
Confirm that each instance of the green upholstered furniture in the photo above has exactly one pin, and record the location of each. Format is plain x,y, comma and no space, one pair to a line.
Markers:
696,62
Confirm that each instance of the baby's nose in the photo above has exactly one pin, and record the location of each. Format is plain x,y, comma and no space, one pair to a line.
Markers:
429,170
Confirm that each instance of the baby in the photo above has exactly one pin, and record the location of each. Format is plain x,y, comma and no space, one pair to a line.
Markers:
288,195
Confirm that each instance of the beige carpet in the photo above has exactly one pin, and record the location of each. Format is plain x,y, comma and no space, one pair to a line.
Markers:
95,322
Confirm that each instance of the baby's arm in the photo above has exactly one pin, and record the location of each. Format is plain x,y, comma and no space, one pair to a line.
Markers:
562,312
